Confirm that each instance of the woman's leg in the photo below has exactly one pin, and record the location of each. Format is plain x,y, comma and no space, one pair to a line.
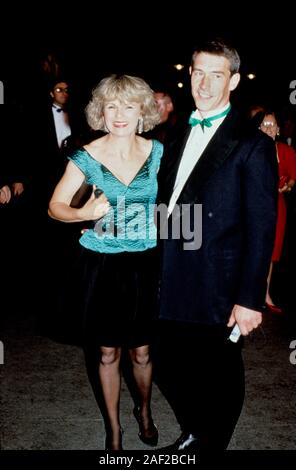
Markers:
104,376
142,371
110,378
268,299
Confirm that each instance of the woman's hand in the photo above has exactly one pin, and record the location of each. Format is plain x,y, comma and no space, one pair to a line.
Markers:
95,208
287,187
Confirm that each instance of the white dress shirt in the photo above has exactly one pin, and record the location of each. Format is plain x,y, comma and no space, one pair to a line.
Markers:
61,122
197,141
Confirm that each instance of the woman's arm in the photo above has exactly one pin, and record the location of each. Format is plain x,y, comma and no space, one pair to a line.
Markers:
59,205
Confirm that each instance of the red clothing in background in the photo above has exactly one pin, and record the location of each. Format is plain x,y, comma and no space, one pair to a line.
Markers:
287,171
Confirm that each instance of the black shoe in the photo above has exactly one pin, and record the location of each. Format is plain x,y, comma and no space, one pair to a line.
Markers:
149,438
186,442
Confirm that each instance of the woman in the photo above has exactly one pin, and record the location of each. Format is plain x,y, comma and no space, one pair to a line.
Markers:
119,261
287,175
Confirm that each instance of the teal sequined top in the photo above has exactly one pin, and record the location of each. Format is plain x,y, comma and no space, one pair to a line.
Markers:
129,224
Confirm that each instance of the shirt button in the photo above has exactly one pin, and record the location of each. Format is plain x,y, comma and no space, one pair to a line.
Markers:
210,214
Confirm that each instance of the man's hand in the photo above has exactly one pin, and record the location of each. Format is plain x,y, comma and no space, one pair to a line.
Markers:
5,194
246,319
17,189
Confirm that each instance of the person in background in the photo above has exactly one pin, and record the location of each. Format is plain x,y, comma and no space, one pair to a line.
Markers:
5,194
288,127
60,131
168,119
119,261
164,104
219,182
12,166
286,157
54,127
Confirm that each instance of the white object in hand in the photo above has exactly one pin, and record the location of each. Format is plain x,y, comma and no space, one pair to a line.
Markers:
235,334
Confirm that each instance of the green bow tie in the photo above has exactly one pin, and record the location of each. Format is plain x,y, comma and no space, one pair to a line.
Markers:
207,122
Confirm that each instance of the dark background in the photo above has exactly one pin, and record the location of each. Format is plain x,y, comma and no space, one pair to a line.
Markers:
147,39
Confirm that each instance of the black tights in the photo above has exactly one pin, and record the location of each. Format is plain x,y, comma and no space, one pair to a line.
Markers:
103,369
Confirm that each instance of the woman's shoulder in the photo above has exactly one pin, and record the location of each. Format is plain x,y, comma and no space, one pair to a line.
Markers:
81,157
95,146
152,146
78,154
157,149
148,143
156,154
157,144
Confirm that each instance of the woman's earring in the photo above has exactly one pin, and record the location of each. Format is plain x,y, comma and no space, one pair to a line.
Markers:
140,125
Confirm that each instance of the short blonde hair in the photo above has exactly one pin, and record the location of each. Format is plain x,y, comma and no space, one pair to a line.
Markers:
124,88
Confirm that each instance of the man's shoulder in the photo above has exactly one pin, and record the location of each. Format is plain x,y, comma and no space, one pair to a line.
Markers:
246,132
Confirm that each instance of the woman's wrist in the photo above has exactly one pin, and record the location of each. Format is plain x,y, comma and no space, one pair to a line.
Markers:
290,184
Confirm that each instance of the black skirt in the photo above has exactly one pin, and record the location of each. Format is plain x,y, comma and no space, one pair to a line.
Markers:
118,297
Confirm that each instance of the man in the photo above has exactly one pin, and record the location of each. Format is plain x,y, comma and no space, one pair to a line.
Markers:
210,285
5,194
57,131
168,119
56,128
11,167
52,128
164,104
60,96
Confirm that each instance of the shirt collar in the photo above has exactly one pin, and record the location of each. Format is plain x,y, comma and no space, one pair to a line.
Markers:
197,114
56,107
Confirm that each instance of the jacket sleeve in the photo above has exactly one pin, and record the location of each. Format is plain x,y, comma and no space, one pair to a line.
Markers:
259,202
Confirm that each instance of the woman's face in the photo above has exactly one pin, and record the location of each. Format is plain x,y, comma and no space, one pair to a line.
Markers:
121,118
269,126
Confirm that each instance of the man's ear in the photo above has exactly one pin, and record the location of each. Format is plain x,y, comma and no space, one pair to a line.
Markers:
51,94
234,81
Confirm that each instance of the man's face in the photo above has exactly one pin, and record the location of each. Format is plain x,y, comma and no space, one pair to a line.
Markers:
60,93
211,81
164,105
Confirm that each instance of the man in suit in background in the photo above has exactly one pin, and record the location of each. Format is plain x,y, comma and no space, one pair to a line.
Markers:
53,130
62,131
210,285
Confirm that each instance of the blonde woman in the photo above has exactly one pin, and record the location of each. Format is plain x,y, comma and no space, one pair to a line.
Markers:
119,261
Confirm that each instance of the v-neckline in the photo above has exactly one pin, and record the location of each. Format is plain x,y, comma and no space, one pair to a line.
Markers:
114,176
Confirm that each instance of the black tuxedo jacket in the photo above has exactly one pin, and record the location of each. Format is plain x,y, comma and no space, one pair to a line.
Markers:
47,138
46,160
235,181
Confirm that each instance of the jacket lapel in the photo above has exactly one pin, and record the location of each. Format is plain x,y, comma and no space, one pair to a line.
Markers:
170,164
217,151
